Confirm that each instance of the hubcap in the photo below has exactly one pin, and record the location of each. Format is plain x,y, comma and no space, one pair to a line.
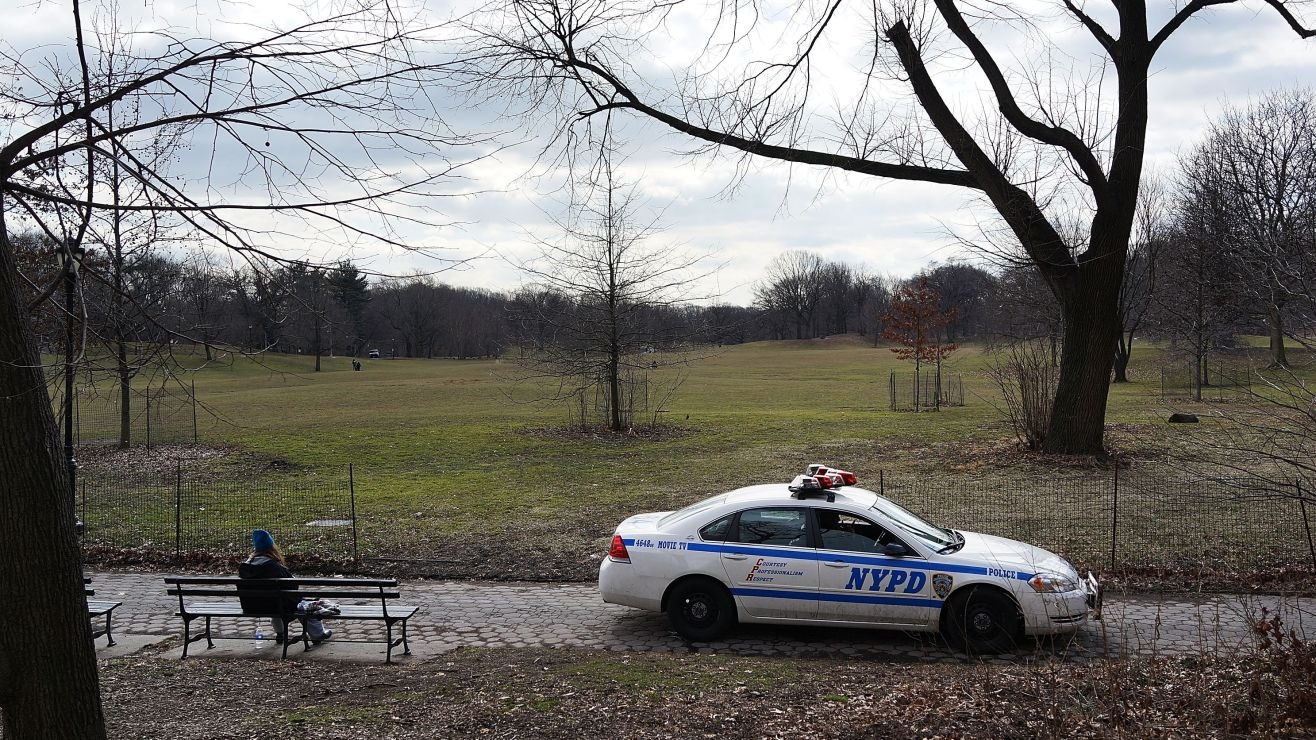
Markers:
697,609
982,622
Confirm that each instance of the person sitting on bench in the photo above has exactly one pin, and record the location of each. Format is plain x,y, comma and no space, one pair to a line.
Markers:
267,561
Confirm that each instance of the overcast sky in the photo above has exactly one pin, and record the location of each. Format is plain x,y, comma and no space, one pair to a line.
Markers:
743,218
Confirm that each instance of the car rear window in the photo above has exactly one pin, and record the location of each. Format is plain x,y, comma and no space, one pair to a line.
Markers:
691,510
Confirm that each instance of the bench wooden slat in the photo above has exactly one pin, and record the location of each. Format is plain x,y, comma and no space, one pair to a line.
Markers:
226,580
99,608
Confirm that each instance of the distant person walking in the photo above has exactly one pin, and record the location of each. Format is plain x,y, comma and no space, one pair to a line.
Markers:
267,561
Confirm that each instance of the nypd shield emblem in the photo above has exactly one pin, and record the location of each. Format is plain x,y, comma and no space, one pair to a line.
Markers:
942,584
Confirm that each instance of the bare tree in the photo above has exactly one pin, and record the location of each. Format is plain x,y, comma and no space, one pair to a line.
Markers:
1263,159
1151,239
794,287
1039,147
315,117
1197,301
588,321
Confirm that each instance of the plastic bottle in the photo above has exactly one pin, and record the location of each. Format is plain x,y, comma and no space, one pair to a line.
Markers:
260,635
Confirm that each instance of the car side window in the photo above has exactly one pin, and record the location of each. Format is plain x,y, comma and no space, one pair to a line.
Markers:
838,530
716,531
774,527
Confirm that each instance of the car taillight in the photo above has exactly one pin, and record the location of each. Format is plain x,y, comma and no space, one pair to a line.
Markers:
618,552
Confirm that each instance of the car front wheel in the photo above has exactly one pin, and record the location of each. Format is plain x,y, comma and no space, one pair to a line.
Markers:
981,620
700,610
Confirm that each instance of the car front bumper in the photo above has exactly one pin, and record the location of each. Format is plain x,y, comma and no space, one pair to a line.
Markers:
1059,613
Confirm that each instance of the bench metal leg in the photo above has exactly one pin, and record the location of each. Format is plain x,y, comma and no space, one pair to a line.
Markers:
189,638
388,631
109,636
406,647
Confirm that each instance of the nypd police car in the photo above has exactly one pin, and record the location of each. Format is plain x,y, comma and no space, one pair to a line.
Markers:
822,551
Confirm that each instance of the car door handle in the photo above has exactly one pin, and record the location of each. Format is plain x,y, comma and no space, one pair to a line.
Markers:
836,564
734,556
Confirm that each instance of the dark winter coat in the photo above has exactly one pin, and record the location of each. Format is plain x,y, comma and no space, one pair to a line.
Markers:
264,566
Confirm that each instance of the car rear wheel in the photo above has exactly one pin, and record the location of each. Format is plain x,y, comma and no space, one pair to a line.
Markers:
700,610
981,620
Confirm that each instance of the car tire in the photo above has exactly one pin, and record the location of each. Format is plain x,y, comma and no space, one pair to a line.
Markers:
981,620
700,609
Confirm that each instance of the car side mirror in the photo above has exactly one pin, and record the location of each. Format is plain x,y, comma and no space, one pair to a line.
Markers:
895,550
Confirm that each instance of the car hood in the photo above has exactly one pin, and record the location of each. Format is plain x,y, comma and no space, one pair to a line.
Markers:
1007,554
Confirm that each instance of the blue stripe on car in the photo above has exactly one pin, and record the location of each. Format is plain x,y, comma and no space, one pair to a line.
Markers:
846,598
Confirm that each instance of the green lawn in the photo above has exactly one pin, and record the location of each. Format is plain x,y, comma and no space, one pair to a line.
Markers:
449,462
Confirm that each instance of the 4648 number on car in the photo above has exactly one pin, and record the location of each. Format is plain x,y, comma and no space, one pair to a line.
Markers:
661,544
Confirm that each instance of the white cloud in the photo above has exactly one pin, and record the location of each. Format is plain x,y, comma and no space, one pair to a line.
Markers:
740,216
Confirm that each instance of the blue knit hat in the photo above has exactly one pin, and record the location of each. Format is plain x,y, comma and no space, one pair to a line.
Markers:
262,540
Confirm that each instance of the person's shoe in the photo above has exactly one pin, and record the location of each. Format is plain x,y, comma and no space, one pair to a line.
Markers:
327,634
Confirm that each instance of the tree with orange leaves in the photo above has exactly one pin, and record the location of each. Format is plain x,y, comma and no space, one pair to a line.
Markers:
914,322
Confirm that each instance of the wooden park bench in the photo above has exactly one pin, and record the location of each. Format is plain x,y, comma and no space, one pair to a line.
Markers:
97,608
277,598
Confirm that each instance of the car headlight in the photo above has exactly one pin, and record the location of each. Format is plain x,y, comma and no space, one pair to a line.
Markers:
1053,583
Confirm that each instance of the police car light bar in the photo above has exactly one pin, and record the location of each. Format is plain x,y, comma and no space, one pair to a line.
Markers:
838,477
806,485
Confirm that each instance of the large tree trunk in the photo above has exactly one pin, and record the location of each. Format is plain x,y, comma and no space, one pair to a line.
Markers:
1278,358
1090,310
48,683
1123,349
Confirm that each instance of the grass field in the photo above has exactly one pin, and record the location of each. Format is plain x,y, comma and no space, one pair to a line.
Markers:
450,464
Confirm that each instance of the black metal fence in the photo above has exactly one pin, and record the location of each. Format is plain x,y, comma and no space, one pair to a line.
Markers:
1109,520
926,389
1125,518
174,511
1217,380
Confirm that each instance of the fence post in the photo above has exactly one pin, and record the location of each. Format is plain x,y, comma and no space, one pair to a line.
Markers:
148,419
881,482
194,435
1306,523
178,511
351,489
1114,516
891,387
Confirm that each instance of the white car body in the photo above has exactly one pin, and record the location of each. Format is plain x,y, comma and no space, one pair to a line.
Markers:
839,582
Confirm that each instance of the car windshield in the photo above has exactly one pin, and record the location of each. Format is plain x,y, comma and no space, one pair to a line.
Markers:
938,537
691,510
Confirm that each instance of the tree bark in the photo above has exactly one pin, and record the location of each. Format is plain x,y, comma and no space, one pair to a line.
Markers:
48,682
1123,349
1079,411
1278,357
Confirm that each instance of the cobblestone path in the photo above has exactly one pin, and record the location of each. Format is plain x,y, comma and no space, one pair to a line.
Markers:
456,614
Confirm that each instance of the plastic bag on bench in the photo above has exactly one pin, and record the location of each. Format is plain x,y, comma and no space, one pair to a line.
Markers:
319,608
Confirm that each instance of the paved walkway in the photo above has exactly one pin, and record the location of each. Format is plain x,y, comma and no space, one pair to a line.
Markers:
479,614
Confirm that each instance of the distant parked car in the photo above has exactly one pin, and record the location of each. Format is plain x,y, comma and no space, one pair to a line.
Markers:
373,354
821,551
